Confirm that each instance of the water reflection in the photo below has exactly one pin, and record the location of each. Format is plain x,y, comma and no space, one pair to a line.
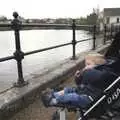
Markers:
38,39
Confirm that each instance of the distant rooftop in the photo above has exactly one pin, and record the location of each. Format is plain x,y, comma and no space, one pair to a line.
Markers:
111,11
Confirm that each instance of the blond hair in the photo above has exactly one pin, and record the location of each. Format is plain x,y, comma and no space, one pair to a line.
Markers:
97,58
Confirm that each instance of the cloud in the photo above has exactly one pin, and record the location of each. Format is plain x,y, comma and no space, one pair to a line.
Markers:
53,8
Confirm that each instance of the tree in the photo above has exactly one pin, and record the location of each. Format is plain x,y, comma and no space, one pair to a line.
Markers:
3,18
81,21
93,17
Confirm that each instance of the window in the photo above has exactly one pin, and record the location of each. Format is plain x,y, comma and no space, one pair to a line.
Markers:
108,20
118,20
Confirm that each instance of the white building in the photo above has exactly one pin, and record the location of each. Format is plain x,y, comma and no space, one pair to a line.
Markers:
111,15
101,21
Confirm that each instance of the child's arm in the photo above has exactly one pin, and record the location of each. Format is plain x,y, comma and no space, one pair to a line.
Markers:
78,74
78,77
88,67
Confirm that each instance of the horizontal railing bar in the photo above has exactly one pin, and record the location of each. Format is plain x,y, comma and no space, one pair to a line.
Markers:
84,25
52,25
5,25
84,40
45,49
40,50
6,58
45,25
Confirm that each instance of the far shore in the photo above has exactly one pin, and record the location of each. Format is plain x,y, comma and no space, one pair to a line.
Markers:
48,27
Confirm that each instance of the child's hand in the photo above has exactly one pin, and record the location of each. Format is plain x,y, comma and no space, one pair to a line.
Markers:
77,78
77,74
88,67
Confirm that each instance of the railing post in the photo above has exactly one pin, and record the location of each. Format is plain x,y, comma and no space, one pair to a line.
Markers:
19,55
105,30
73,41
119,28
111,31
116,29
94,37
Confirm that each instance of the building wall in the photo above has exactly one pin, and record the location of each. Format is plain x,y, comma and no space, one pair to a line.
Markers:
113,19
101,26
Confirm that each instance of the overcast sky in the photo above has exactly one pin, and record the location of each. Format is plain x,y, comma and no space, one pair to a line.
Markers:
53,8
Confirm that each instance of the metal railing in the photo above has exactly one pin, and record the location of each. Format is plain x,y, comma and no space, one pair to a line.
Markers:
18,55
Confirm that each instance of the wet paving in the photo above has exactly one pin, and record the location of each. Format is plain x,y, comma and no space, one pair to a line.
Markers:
36,110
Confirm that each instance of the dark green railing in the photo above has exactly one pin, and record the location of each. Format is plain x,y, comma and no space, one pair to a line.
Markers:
18,55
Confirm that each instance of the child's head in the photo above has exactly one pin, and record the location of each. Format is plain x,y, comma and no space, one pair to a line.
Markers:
94,59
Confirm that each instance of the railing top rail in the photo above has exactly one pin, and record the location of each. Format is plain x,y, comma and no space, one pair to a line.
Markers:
5,25
84,25
43,25
46,25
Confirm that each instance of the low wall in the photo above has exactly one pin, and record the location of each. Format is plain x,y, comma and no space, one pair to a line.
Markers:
17,98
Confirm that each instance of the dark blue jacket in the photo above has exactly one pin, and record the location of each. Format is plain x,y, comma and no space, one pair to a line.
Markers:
94,81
